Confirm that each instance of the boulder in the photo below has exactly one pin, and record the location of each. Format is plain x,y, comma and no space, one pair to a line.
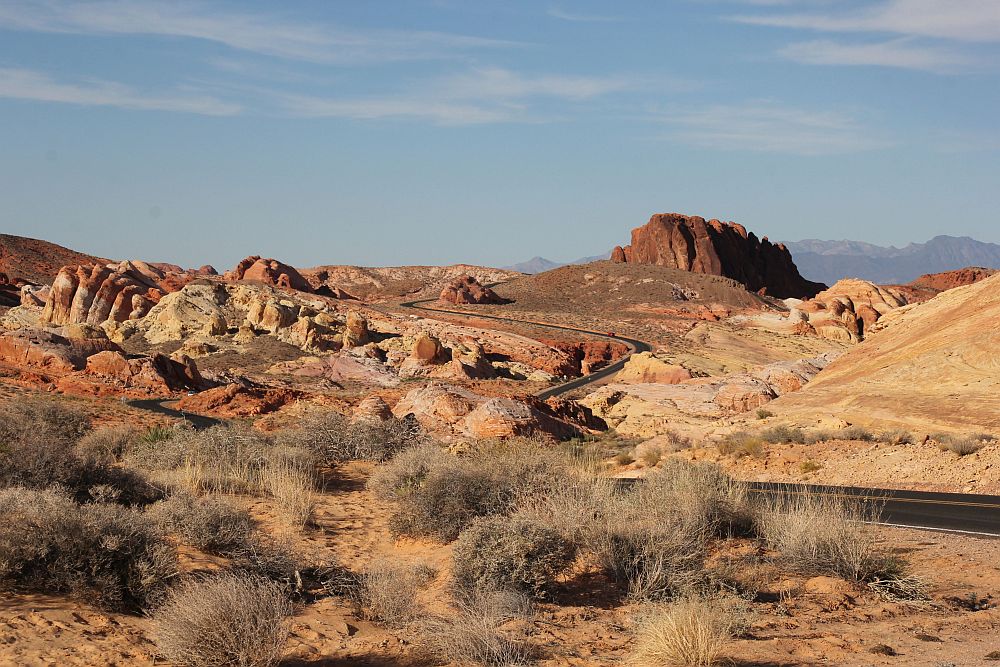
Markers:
236,400
268,271
158,373
692,243
46,351
373,408
506,417
644,367
356,331
466,289
34,296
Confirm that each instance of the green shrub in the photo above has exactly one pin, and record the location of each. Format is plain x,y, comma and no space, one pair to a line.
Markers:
115,555
230,619
513,552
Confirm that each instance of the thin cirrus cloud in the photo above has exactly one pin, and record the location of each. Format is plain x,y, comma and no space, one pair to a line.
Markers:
483,95
575,17
960,20
768,127
26,84
257,33
901,53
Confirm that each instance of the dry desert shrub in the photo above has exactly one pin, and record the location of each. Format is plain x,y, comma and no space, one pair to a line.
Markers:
387,591
487,629
741,444
42,418
438,495
690,632
293,489
107,445
963,445
510,552
857,434
231,619
897,437
213,525
335,439
783,435
825,535
653,538
49,543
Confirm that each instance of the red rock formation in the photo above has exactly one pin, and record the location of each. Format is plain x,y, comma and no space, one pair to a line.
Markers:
589,355
718,248
234,400
466,289
268,271
97,293
944,281
48,352
156,374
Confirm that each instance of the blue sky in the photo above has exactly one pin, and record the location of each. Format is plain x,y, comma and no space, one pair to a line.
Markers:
487,132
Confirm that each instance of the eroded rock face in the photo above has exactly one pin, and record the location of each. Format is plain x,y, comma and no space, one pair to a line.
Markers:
156,374
236,400
692,243
108,293
356,332
47,351
849,309
646,368
939,282
590,355
269,271
466,289
506,417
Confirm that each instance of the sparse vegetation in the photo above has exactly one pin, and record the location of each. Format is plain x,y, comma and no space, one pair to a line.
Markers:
857,433
783,435
809,466
335,439
439,495
651,455
624,458
478,630
825,535
764,414
387,591
230,619
963,445
514,552
741,444
690,632
213,525
897,437
115,555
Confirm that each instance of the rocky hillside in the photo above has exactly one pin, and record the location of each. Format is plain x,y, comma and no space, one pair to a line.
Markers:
717,248
829,261
929,365
34,261
375,283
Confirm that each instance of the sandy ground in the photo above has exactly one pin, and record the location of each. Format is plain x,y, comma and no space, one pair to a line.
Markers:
800,621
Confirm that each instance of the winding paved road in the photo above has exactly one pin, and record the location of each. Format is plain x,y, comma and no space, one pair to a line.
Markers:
633,345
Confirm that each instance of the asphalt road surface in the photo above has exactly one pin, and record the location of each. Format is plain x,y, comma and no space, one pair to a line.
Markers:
633,345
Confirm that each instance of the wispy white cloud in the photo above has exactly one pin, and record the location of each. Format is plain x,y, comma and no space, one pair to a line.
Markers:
901,53
490,95
961,20
259,33
564,15
765,126
25,84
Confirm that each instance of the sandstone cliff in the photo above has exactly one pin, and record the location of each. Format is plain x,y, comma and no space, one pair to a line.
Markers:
719,248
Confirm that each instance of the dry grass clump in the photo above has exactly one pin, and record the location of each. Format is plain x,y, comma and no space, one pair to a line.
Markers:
49,543
231,619
824,535
234,459
783,435
650,455
486,629
43,419
857,434
690,632
513,552
387,591
963,445
107,445
897,437
764,414
213,525
335,439
438,495
741,444
653,538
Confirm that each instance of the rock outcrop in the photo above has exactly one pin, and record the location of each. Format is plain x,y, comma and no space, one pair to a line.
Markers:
49,352
268,271
112,292
468,290
929,366
692,243
356,330
939,282
645,368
